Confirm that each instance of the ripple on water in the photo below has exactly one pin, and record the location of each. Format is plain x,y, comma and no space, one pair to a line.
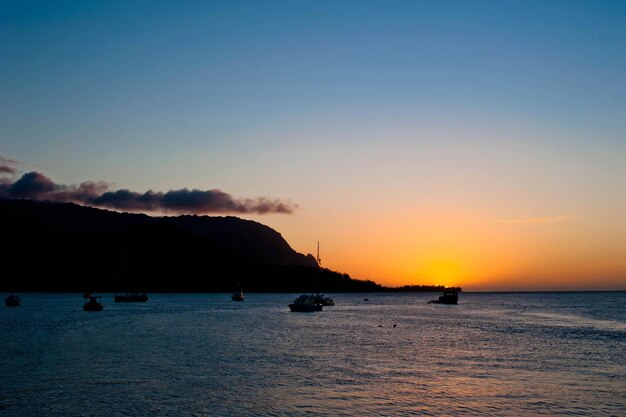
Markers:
201,355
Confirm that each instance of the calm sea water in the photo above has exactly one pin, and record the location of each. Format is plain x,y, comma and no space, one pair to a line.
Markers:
204,355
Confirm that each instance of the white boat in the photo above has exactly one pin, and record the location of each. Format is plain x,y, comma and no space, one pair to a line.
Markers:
324,300
307,303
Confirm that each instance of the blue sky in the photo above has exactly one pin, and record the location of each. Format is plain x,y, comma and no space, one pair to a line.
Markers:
326,104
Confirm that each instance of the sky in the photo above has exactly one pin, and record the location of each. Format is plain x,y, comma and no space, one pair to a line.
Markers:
471,143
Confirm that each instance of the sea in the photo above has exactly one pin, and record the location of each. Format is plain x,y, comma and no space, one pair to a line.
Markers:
378,354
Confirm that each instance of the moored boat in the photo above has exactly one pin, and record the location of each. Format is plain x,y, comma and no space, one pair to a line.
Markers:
324,300
130,297
238,296
305,304
92,303
450,296
12,301
127,293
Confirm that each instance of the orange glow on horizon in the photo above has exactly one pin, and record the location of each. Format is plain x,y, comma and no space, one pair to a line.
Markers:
474,251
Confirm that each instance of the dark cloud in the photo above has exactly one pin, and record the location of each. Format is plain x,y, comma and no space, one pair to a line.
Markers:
189,201
198,200
84,192
127,200
6,166
31,185
38,186
5,169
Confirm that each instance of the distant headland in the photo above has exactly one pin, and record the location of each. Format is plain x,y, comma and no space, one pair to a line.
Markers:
64,247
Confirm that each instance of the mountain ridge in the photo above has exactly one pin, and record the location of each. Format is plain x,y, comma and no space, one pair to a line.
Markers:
68,247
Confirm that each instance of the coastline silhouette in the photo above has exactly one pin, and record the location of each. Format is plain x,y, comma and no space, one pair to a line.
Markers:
205,254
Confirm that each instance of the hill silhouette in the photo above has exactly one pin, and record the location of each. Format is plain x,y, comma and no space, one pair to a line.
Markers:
66,247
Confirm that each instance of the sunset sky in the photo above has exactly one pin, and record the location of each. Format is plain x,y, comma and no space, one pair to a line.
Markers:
472,143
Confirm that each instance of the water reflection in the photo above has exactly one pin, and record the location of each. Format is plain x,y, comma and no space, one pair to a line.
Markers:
204,355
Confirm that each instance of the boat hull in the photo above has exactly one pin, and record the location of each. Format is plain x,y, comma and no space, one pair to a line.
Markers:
305,308
446,299
449,302
325,301
238,298
89,307
12,301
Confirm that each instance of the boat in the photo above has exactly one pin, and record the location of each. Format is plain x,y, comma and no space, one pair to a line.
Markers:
12,301
324,300
450,296
238,295
307,303
321,298
92,303
130,297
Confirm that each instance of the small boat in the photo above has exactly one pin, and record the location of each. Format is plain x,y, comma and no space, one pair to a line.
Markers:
238,295
450,296
12,301
305,304
131,297
308,303
131,294
324,300
91,303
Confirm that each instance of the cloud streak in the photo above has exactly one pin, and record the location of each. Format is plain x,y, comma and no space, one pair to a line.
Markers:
6,166
535,220
34,185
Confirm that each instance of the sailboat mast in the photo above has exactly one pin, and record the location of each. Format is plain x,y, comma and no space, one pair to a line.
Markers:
318,253
317,272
